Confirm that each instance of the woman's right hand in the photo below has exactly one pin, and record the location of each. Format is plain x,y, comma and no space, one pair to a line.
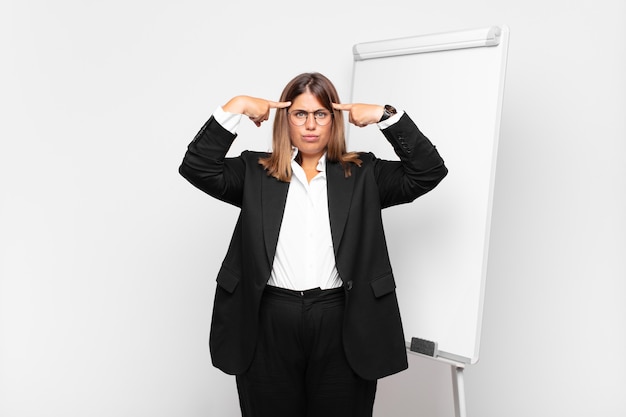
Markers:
256,109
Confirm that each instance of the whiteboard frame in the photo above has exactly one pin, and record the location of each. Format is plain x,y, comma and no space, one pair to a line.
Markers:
473,38
492,36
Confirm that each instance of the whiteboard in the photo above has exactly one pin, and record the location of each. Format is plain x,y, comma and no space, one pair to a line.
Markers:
451,84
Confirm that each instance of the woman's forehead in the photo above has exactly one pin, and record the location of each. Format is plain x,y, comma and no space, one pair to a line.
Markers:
307,101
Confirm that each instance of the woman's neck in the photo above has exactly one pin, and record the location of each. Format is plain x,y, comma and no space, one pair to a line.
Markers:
309,165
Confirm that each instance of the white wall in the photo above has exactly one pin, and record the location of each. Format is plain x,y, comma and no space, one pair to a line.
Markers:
108,258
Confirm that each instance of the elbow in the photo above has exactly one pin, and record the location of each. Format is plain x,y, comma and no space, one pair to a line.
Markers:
428,181
443,172
186,172
183,170
439,174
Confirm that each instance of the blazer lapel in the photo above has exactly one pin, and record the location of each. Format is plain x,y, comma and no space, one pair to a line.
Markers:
339,198
274,197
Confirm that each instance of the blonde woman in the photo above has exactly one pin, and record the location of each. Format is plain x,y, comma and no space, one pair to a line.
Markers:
305,311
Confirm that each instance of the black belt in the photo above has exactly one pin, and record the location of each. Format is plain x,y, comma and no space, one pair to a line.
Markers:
306,294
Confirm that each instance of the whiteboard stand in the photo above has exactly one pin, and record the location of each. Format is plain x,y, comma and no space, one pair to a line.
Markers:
458,390
458,381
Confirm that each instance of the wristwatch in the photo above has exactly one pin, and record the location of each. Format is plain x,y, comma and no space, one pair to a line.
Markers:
388,112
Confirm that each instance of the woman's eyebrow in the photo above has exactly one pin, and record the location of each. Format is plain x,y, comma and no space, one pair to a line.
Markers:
320,109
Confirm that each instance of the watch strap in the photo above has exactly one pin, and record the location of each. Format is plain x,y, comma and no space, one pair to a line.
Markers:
388,112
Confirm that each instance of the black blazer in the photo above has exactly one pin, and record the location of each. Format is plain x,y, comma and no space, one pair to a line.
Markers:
372,331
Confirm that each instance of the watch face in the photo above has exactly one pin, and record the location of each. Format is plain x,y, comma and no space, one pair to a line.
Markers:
390,109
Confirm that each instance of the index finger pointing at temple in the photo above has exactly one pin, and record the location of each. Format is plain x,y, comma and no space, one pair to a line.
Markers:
338,106
279,104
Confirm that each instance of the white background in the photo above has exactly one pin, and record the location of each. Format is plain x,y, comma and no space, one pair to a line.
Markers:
108,257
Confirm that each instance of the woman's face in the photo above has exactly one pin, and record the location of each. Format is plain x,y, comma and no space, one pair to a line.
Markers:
310,138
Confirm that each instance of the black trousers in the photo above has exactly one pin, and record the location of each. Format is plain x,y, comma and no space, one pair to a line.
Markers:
300,368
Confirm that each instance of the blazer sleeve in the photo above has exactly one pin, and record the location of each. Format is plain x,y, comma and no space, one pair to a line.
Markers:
419,170
206,167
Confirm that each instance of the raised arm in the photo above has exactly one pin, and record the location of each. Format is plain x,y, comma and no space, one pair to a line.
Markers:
205,164
420,168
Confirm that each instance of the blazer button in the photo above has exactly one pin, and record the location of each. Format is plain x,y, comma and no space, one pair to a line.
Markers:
349,285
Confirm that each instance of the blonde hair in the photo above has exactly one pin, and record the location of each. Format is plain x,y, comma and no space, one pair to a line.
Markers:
278,163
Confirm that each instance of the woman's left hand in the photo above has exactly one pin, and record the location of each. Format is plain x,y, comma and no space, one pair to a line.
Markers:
361,114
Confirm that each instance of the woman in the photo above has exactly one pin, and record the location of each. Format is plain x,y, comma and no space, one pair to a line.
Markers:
305,312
